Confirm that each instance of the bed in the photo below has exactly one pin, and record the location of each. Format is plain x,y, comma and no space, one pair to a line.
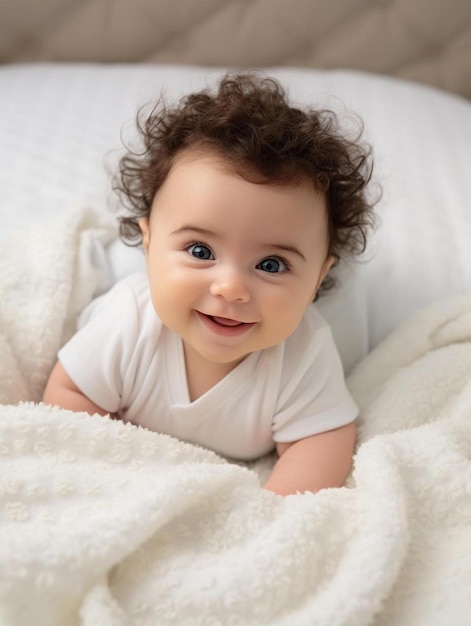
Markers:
102,523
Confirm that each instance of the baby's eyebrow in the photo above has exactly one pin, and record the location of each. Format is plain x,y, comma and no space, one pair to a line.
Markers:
286,248
194,229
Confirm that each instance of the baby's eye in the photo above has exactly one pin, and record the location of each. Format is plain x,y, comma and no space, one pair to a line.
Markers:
199,251
272,265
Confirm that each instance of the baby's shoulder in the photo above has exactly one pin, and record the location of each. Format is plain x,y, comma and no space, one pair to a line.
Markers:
128,299
311,338
135,286
309,352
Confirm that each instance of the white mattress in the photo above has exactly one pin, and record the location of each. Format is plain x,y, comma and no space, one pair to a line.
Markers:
60,130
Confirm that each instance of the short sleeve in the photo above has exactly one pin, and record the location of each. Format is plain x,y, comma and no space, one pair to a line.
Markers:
313,396
96,357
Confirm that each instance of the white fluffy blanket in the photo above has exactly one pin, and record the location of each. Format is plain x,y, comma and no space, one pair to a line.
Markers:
105,524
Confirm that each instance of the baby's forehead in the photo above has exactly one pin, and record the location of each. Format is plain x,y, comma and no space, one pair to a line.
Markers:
246,169
205,183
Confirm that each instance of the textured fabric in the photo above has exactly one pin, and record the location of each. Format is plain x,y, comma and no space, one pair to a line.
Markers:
105,523
425,40
128,363
47,276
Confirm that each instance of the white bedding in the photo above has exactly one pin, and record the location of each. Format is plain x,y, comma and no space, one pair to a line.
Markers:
102,523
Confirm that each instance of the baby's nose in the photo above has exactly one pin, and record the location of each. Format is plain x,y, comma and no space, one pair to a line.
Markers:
230,284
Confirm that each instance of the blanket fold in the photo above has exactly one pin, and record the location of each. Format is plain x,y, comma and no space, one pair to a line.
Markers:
105,523
47,276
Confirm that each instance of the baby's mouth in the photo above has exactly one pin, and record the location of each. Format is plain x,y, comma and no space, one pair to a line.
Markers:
225,326
225,321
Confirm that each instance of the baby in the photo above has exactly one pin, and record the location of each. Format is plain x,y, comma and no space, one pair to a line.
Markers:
243,204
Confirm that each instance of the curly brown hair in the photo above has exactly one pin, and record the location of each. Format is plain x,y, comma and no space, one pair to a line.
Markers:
249,123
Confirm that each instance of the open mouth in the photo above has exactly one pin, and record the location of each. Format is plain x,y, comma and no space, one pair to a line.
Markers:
225,325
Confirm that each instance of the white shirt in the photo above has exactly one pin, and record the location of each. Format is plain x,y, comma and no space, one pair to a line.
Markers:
127,362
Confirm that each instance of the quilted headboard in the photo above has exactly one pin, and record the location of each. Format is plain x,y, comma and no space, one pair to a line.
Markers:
424,40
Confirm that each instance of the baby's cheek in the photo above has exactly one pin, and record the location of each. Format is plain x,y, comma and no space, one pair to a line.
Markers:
281,327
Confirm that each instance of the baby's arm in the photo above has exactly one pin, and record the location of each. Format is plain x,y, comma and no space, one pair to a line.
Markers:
62,391
313,463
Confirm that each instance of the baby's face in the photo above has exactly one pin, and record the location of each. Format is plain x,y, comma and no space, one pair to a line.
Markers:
232,264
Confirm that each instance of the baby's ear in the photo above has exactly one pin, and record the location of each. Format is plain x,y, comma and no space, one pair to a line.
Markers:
145,230
330,260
